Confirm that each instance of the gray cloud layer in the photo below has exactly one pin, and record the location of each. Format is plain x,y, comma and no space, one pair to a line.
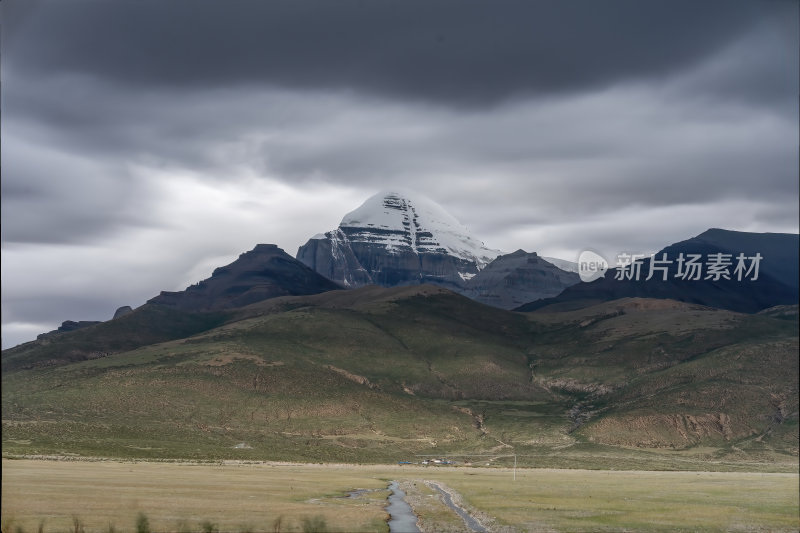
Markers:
145,142
450,51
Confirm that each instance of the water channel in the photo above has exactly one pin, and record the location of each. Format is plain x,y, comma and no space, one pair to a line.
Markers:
402,518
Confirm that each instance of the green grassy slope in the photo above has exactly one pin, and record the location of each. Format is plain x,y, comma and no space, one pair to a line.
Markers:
384,374
673,376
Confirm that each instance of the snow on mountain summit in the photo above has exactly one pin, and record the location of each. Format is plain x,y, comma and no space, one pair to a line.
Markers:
403,220
386,209
398,238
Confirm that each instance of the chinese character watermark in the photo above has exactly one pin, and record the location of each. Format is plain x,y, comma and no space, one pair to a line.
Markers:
686,266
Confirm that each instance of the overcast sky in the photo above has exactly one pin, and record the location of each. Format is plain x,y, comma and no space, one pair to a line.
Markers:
146,142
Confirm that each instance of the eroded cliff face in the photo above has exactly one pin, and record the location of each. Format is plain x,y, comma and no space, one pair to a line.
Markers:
332,256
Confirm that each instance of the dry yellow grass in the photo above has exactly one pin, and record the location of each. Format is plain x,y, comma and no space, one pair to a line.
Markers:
182,496
602,500
250,497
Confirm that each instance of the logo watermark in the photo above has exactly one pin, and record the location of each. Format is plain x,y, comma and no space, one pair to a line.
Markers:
591,265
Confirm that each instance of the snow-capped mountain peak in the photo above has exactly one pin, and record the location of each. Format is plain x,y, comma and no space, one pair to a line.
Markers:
403,220
397,238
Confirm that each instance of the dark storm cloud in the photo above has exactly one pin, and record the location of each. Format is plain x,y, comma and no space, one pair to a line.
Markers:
759,68
448,51
602,151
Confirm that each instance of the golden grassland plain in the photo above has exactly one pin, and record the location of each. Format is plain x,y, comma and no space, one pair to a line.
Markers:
107,495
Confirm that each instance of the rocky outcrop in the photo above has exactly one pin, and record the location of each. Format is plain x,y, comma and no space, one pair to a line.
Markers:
332,256
67,326
122,311
264,272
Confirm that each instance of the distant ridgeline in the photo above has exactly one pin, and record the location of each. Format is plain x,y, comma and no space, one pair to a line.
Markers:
401,239
771,281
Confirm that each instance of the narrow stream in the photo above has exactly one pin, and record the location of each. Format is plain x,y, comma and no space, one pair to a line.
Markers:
471,523
402,518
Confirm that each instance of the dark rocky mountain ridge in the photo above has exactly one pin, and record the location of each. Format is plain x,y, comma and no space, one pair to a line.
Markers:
264,272
520,277
67,326
776,283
